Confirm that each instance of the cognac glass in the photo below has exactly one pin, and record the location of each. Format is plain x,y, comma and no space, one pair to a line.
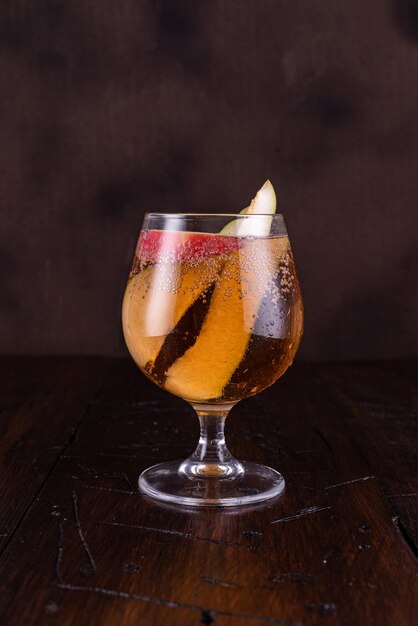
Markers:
212,319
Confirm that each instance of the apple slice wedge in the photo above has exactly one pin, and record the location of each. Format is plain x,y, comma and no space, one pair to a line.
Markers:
264,205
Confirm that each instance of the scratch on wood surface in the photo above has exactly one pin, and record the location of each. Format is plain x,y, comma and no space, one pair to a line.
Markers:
97,488
81,535
127,481
177,605
323,439
91,469
60,551
350,482
150,445
105,455
191,536
403,532
299,486
176,533
220,583
302,513
294,577
141,446
402,495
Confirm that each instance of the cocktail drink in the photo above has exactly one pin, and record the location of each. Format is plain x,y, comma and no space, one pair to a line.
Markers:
212,313
212,319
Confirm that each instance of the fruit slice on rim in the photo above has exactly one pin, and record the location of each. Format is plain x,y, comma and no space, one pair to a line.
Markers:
264,204
204,370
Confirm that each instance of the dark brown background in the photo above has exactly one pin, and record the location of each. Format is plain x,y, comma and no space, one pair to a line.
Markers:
110,108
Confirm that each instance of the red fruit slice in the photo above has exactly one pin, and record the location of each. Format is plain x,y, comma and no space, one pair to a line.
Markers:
164,246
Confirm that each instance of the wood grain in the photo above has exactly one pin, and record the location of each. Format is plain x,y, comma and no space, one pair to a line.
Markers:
90,549
41,404
381,404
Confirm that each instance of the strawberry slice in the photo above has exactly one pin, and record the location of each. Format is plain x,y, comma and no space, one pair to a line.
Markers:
164,246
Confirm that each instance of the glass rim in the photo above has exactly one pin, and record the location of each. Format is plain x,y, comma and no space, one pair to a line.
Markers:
199,215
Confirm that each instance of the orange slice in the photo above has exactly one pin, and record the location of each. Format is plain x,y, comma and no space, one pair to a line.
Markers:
157,298
205,368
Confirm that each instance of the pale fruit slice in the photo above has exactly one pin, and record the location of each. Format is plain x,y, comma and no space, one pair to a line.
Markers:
205,369
264,204
157,298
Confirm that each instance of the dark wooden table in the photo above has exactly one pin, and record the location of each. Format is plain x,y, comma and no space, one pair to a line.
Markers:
80,546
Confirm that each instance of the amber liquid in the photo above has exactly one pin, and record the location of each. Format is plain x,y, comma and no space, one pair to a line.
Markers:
216,329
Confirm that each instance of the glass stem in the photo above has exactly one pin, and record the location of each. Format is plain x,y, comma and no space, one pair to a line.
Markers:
212,457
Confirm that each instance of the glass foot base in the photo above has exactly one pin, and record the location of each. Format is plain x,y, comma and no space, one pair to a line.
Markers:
167,482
